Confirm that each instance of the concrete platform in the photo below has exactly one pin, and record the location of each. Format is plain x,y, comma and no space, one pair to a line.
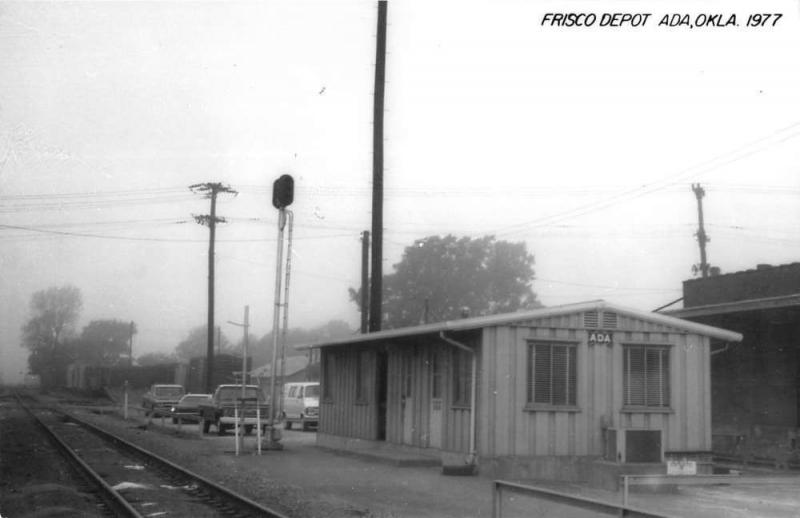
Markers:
399,459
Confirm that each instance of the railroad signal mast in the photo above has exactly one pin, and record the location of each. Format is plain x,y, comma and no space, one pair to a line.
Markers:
282,197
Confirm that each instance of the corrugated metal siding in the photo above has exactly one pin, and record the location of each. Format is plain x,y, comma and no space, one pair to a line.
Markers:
509,429
457,419
505,427
342,414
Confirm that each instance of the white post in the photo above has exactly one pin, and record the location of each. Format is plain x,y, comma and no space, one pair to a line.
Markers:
258,426
125,402
244,349
625,490
236,427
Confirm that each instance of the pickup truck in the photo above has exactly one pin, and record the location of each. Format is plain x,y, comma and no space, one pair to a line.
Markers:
219,411
161,398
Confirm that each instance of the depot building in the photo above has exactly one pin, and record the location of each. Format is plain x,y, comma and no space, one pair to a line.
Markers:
573,392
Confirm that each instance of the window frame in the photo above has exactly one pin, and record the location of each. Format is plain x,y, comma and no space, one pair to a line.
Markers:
665,373
570,388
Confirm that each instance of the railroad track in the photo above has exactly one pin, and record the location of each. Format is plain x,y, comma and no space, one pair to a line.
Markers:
134,482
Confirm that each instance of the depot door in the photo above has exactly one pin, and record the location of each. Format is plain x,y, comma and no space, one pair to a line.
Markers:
406,396
437,387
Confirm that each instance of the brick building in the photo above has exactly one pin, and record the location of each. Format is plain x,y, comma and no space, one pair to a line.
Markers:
755,384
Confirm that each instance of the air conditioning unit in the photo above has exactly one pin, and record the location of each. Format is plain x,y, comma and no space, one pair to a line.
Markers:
632,445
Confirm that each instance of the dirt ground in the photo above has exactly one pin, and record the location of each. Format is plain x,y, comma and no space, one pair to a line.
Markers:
303,480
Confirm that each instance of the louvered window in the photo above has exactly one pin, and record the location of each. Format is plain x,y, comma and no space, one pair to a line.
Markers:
551,374
646,376
609,320
590,319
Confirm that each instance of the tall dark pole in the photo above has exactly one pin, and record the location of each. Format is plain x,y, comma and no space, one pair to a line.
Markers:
376,286
211,190
702,238
364,281
212,228
130,344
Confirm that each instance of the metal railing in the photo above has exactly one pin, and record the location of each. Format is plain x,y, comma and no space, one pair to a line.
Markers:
576,502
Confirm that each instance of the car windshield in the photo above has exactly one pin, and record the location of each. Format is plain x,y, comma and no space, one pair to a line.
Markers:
194,399
312,391
169,391
232,393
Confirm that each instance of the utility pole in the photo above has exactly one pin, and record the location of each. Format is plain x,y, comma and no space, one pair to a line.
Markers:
132,330
702,238
364,281
210,190
376,291
246,326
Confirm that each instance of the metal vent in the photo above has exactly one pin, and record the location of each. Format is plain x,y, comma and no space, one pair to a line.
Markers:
590,319
609,320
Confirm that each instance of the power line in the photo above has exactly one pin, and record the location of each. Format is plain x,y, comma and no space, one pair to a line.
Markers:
633,193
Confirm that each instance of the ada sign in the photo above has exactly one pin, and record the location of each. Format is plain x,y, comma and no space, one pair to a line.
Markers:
600,338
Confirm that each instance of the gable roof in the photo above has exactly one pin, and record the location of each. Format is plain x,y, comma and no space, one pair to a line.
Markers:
466,324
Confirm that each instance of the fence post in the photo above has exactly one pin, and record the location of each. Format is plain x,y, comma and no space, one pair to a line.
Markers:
625,490
497,500
125,402
236,427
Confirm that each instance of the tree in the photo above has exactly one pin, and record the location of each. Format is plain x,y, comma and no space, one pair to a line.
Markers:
104,342
261,350
196,344
149,359
443,278
53,315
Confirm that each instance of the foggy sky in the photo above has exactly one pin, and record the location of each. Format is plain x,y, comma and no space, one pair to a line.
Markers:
581,142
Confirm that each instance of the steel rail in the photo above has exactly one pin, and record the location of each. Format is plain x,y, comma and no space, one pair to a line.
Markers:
240,500
110,495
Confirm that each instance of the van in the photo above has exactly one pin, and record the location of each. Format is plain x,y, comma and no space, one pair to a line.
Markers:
301,404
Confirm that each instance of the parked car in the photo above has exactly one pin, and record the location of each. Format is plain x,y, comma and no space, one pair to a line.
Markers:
301,404
220,409
161,398
188,408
